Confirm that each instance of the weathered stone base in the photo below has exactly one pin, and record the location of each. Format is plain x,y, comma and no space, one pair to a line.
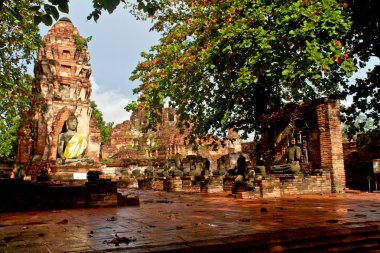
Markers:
213,184
65,174
158,184
286,185
19,195
228,182
145,183
101,193
238,187
190,185
173,185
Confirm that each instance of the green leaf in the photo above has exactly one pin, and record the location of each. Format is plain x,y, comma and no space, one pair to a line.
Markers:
51,10
63,6
110,5
37,20
47,20
35,8
285,72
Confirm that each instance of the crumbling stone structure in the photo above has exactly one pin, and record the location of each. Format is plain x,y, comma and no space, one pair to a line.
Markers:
316,128
358,161
62,79
127,141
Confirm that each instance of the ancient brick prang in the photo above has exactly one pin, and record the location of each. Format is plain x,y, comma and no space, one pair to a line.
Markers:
62,79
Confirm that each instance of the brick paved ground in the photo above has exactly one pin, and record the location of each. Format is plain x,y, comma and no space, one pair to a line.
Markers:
189,222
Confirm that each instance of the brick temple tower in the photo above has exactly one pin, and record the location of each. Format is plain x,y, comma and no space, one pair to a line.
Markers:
62,78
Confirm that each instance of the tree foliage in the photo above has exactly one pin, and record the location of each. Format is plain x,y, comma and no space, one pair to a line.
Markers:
104,127
364,38
47,11
222,64
38,10
80,42
19,42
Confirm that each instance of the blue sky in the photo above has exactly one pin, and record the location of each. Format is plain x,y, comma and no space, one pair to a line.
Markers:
117,41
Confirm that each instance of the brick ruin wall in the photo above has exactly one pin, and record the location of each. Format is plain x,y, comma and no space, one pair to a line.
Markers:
331,144
358,162
323,136
325,151
127,143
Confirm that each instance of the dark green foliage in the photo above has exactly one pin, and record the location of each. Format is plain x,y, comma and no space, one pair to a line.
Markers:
364,38
104,127
19,42
81,43
224,64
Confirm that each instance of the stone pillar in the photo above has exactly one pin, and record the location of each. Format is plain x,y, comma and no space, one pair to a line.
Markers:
94,141
24,145
331,144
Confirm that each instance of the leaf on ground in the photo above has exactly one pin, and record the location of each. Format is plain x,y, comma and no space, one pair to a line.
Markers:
65,221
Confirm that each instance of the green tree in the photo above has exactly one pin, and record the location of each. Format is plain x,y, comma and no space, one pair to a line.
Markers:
19,42
222,64
46,11
104,127
364,38
362,124
8,138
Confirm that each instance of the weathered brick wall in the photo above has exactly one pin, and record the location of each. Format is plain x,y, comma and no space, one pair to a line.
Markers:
331,144
24,145
123,138
127,141
297,185
59,120
320,128
94,141
101,194
349,148
358,160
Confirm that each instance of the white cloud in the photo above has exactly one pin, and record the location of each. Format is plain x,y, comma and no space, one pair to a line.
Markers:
110,102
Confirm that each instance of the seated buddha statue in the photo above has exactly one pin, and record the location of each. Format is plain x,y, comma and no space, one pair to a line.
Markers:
71,144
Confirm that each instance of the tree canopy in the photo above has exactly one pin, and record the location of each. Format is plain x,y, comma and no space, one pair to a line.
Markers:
47,11
222,64
18,44
364,38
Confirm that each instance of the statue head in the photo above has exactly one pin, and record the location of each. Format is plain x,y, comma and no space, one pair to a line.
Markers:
72,123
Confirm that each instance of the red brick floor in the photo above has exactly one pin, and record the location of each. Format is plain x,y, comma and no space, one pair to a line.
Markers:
183,222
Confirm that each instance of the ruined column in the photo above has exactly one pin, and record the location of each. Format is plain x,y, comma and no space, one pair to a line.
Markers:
331,144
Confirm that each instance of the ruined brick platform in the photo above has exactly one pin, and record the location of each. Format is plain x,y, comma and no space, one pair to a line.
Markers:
199,222
18,195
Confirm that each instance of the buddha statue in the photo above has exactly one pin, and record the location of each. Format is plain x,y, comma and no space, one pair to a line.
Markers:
293,157
71,144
